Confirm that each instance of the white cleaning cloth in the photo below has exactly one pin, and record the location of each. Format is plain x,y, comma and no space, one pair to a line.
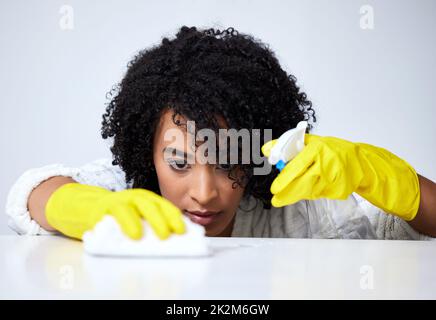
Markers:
107,239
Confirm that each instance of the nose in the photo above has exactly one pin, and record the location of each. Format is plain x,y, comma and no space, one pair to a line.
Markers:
203,188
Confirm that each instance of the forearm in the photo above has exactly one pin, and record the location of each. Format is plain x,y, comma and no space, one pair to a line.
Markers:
425,220
39,197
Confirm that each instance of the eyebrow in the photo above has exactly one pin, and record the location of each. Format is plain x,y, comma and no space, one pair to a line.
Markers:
177,152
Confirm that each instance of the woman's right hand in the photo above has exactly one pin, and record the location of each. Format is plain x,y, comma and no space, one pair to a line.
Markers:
75,208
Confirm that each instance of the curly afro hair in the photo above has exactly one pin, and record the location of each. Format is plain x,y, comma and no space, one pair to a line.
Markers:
200,74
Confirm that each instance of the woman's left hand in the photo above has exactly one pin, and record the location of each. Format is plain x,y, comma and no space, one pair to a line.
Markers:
333,168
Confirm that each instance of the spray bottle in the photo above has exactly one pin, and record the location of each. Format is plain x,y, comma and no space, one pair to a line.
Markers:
288,146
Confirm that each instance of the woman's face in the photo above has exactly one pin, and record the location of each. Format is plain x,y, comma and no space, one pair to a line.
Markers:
202,191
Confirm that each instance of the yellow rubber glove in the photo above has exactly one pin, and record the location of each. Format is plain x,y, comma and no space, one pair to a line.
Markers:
333,168
75,208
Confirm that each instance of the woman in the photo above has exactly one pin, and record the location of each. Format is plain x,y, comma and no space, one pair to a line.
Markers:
222,80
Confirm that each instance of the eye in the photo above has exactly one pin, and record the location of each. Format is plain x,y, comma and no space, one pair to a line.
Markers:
178,165
224,166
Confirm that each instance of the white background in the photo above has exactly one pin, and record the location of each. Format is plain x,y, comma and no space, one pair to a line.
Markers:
375,86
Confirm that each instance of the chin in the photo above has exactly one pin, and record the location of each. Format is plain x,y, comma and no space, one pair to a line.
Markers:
212,233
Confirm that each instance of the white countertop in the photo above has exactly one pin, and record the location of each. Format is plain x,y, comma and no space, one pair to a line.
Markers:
240,268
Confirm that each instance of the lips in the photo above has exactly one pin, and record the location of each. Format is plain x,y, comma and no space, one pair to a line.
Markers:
203,213
202,217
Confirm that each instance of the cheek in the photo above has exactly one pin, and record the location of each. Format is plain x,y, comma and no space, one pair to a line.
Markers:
167,179
232,195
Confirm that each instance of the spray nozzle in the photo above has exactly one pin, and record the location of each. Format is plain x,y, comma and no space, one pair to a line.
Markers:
288,145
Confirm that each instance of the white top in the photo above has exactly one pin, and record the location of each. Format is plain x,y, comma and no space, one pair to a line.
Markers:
354,218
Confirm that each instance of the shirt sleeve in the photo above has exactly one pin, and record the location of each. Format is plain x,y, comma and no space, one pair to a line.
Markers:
100,173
